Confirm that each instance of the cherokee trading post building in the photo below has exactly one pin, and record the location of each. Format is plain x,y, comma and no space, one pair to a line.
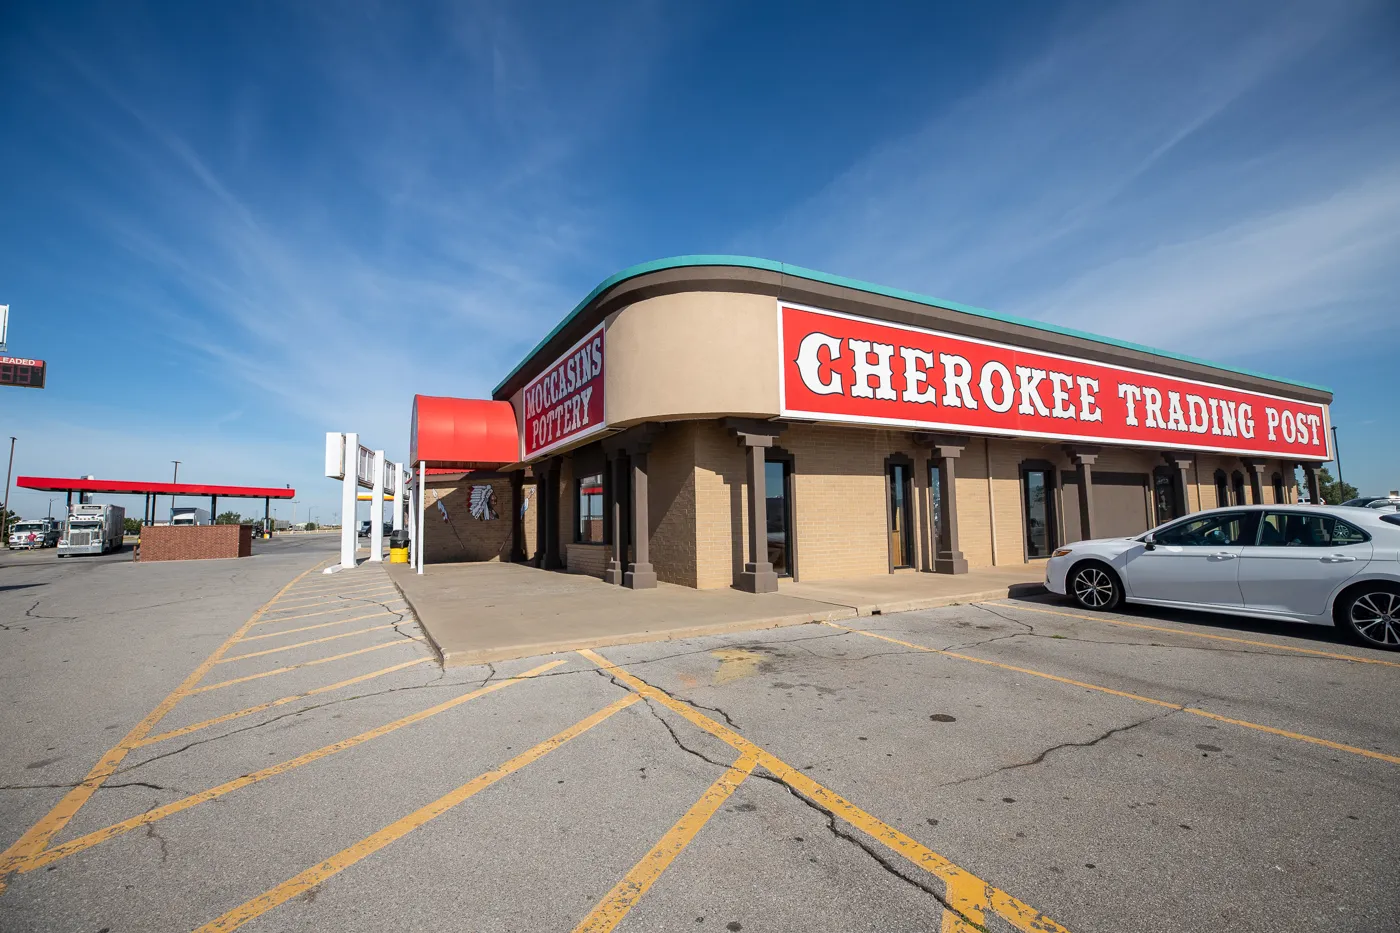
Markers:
877,431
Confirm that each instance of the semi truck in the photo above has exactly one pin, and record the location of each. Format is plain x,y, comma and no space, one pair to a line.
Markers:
186,515
92,529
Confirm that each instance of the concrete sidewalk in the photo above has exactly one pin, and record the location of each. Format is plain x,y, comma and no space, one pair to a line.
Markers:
475,613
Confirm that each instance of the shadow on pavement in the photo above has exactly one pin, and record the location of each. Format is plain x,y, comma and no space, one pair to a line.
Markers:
1320,633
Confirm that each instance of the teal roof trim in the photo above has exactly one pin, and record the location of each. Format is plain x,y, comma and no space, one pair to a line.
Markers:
768,265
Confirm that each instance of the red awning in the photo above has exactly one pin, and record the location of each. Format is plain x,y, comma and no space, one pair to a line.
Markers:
462,433
130,488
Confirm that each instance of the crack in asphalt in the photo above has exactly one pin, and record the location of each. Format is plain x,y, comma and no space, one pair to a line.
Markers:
1040,758
160,840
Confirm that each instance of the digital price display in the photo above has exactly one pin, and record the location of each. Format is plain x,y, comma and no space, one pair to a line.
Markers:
27,374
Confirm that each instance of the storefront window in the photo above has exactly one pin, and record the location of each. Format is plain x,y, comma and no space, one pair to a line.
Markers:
1222,489
590,510
1279,495
776,476
901,541
1238,480
1040,538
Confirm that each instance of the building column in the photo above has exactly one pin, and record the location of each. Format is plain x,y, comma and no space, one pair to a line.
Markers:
640,575
1084,458
755,438
1180,463
946,448
1254,470
1314,494
517,520
617,480
553,559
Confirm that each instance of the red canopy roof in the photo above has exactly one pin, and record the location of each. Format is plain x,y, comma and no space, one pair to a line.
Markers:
462,433
129,488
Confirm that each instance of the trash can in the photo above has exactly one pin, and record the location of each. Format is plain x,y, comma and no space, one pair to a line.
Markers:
398,547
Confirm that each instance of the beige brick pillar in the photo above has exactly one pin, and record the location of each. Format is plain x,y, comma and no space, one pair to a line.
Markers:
1084,458
517,520
1254,470
755,437
617,482
946,448
1314,494
1180,463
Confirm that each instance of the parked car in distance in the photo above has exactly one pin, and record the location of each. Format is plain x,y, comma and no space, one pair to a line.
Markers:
364,528
34,533
1389,503
1326,565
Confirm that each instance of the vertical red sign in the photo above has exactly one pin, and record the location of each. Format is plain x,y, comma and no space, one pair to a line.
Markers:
565,402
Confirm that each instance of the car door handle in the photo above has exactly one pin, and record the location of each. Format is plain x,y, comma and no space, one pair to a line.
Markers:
1222,555
1338,559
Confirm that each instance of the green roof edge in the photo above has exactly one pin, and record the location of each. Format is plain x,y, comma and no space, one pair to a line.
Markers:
768,265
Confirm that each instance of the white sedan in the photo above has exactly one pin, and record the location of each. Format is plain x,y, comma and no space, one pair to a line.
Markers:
1328,565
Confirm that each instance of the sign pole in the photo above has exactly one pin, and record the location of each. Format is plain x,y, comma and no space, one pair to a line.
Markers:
5,509
376,511
422,490
349,492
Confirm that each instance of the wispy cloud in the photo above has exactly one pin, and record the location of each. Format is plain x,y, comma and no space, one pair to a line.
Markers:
1147,172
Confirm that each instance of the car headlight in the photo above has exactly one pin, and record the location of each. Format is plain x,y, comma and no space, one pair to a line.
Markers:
1061,552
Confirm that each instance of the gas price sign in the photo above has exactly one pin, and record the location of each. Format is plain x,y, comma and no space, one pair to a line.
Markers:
27,374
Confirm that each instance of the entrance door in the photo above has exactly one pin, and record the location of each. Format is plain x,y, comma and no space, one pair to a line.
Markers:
901,517
1037,491
1164,496
1195,561
777,480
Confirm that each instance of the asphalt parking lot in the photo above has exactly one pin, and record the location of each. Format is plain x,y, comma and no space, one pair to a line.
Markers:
247,744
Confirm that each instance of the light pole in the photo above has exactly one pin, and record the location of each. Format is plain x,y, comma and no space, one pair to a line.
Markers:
50,507
294,514
173,480
1337,454
5,508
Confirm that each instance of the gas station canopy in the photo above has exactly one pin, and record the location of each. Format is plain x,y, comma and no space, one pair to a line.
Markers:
128,488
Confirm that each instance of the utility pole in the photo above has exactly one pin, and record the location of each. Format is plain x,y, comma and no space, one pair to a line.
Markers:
1337,454
5,509
174,479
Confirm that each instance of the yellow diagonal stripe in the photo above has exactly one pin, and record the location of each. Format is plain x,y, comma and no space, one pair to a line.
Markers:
317,874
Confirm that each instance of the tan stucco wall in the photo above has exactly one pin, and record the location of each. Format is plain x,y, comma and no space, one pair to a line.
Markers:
693,355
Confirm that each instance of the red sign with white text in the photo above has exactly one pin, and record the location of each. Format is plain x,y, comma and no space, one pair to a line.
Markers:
565,402
838,367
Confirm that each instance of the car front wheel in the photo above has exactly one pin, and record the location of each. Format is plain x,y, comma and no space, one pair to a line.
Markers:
1095,586
1371,613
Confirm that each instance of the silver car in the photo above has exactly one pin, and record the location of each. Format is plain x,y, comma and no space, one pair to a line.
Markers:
1326,565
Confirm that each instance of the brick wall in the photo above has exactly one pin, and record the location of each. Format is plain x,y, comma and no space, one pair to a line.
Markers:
195,542
671,505
463,538
590,559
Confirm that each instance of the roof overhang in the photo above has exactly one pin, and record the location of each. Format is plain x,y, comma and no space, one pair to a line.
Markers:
462,433
131,488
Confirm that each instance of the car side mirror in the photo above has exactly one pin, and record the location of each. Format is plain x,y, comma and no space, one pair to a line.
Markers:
1149,542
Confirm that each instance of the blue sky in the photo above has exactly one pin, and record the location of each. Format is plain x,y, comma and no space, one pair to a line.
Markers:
214,214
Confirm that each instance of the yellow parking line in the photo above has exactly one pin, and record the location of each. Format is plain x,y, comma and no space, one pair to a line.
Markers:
344,587
344,607
38,835
327,598
967,895
625,894
322,871
303,644
248,711
1327,743
1178,631
96,837
294,667
312,628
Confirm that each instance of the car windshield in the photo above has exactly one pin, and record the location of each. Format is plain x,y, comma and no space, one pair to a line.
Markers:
1360,501
85,525
25,528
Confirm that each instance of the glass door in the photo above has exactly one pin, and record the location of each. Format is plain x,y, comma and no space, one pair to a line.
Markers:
777,478
901,520
1040,535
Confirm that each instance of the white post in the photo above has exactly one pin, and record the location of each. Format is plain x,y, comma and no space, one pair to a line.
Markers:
398,496
412,526
422,497
349,493
376,511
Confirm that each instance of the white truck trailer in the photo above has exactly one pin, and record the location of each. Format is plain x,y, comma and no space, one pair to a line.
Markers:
187,515
92,529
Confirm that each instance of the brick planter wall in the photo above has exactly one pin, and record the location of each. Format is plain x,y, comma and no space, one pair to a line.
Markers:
195,542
